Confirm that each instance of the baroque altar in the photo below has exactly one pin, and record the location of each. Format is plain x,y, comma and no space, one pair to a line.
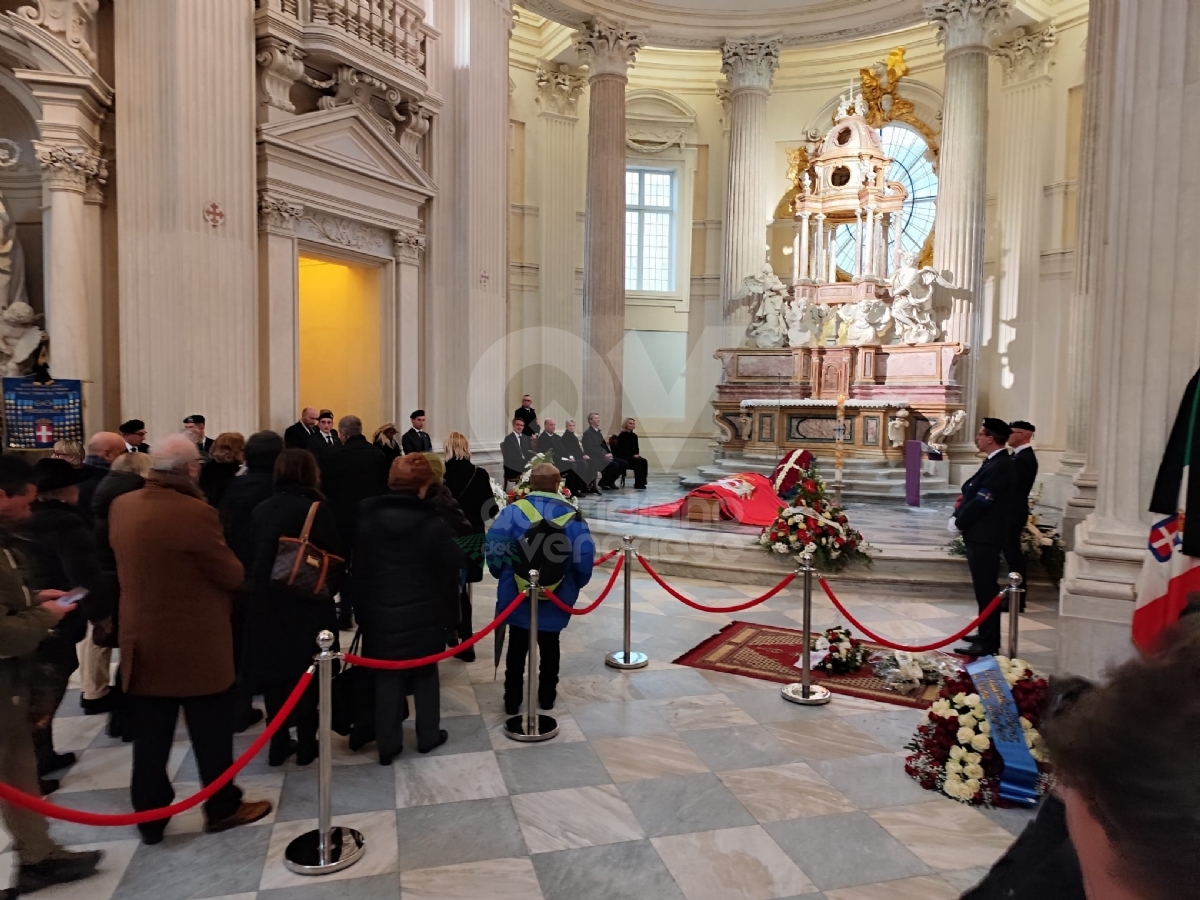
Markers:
866,335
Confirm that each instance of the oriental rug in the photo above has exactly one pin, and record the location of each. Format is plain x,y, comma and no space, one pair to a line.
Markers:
770,653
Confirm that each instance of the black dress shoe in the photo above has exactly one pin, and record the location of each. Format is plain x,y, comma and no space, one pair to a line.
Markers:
607,487
972,638
278,755
152,833
360,739
99,705
972,650
546,701
62,868
248,719
47,786
467,656
305,754
443,736
512,707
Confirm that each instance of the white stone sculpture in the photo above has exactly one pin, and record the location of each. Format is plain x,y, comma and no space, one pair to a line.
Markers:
805,184
945,428
12,261
898,428
912,300
767,329
867,321
744,421
804,321
19,339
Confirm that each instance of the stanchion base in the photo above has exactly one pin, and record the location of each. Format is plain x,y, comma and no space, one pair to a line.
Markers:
515,728
817,695
618,659
345,847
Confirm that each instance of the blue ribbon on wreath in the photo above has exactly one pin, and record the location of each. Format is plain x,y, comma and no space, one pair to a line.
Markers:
1018,783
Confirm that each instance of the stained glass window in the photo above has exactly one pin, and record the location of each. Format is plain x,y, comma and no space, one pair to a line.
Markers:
650,207
912,167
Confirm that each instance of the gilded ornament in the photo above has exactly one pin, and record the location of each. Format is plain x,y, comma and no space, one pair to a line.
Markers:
881,92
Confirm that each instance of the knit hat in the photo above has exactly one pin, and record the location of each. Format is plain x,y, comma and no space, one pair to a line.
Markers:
410,473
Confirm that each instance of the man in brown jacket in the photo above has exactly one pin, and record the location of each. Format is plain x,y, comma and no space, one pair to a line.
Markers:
25,621
177,580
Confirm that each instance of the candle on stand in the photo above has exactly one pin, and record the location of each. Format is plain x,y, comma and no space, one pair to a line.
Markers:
839,438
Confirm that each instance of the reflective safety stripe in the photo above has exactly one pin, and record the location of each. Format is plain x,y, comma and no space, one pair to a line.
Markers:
532,514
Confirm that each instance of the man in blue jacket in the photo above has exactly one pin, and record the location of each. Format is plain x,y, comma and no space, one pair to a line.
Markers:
502,551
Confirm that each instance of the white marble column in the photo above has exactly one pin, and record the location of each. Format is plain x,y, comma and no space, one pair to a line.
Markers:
185,128
1089,251
278,298
465,371
805,228
559,89
609,50
1025,62
749,67
1146,339
69,175
964,28
408,246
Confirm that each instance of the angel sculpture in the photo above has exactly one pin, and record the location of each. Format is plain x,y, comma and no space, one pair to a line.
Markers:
767,329
945,428
897,430
804,321
19,338
912,299
867,321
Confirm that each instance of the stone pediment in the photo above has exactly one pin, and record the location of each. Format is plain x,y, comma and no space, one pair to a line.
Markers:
352,140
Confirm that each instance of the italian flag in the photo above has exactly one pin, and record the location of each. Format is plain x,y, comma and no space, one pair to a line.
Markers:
1170,576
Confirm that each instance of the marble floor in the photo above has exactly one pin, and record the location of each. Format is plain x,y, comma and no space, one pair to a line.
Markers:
667,782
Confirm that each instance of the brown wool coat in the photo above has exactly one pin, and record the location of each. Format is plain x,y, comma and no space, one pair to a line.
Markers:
177,580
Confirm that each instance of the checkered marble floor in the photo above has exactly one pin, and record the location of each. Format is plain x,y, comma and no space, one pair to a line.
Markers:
667,782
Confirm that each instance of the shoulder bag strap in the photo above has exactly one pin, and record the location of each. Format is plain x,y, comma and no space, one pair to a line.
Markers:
308,522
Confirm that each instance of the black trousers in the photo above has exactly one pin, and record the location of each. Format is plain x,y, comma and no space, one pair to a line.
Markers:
575,482
392,688
45,694
641,469
984,562
304,716
464,612
612,471
514,667
1014,559
512,474
210,728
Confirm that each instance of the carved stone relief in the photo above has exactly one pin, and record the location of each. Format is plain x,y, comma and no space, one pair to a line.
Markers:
326,228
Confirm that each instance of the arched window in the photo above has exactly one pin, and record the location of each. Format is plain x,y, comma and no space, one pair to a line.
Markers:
912,167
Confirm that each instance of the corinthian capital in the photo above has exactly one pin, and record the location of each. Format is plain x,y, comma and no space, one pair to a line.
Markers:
1027,55
559,88
967,23
70,168
277,213
749,64
608,48
408,246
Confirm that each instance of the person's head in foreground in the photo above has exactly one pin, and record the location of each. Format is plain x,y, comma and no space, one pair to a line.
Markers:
1126,759
544,478
411,474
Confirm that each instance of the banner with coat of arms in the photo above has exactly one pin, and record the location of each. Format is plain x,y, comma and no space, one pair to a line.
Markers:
36,415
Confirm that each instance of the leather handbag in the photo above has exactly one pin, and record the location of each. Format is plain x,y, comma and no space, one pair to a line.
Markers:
302,567
353,696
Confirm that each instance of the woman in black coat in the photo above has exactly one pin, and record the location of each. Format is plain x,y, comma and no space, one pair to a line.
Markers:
224,462
282,625
406,568
472,488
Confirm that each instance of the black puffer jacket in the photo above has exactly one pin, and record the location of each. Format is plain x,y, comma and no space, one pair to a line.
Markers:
406,567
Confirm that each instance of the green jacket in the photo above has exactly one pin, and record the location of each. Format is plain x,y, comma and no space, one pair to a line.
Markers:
23,625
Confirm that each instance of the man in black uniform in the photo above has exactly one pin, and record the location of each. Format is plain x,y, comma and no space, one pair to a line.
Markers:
599,458
324,440
983,513
528,416
1025,467
193,427
629,455
133,433
569,460
516,450
415,440
298,434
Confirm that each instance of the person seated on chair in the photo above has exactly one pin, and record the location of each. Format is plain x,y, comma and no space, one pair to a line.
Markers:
598,455
516,450
551,519
629,452
570,460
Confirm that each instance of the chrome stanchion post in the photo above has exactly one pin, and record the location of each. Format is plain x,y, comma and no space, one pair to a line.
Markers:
330,848
532,726
805,692
1014,592
627,658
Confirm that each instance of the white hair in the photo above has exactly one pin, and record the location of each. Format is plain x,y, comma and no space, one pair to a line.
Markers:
173,453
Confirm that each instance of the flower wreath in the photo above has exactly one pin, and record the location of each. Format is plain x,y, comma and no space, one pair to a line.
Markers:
843,652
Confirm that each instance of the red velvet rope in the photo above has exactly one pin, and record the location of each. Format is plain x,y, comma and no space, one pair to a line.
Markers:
607,556
569,610
991,607
445,654
715,609
36,804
